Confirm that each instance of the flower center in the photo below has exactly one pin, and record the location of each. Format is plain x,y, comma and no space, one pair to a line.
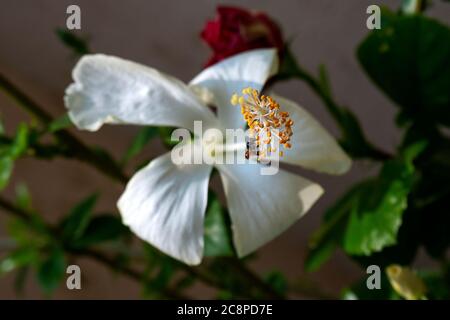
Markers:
269,125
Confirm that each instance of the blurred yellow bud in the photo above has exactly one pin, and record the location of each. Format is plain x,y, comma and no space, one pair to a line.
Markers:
406,282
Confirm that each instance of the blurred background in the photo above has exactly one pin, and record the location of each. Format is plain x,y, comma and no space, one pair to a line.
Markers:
164,34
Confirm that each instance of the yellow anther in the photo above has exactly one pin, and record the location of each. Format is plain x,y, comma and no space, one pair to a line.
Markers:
234,99
268,124
247,90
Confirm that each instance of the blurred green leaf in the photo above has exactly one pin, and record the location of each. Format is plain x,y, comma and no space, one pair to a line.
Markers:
165,133
431,194
217,234
414,6
74,225
320,253
438,285
11,152
353,139
163,277
20,143
51,270
29,234
17,259
325,240
278,282
359,291
139,142
6,167
324,81
408,58
435,224
185,282
23,197
20,279
101,229
60,123
224,295
75,43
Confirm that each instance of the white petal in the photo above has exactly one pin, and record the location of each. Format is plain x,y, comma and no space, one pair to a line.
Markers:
263,206
164,204
312,146
112,90
248,69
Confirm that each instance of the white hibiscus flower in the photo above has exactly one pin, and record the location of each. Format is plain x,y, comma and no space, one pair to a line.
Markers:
164,203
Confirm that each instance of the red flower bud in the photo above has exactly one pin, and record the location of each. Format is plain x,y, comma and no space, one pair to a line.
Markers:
236,30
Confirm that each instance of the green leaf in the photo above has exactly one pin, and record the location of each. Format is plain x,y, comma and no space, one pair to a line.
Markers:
20,143
359,291
324,82
367,218
17,259
164,275
23,197
60,123
185,282
20,280
11,152
435,222
431,197
2,127
76,222
277,281
414,6
325,240
377,213
408,58
6,167
320,253
353,139
51,271
165,134
437,284
76,44
101,229
139,142
217,234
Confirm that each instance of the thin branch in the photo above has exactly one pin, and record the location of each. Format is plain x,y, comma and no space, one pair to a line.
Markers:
76,147
126,270
108,167
22,99
336,112
253,279
345,120
99,256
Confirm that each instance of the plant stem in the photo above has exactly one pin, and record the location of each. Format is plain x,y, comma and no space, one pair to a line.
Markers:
352,139
128,271
76,148
337,113
253,279
106,165
99,256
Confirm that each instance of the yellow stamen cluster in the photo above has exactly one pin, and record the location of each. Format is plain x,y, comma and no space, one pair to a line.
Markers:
267,122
